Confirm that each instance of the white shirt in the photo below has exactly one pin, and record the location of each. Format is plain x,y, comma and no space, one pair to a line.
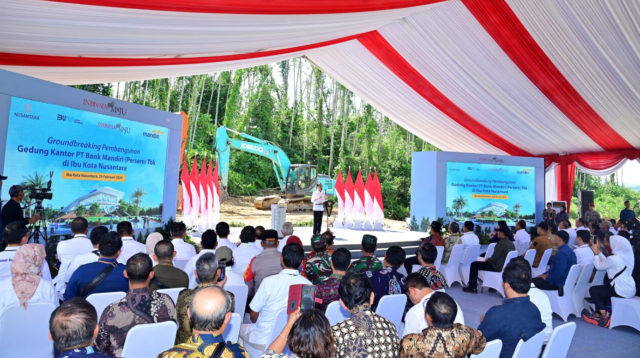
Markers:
272,297
6,257
243,255
130,247
522,241
184,250
584,254
541,300
233,278
258,244
67,250
79,261
581,228
318,198
44,293
572,235
613,231
190,267
415,321
282,243
227,243
624,284
468,239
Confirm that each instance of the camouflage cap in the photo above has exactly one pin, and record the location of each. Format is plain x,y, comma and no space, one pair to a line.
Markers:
318,241
369,239
224,253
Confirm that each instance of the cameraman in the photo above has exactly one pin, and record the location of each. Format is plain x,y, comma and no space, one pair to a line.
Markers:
12,211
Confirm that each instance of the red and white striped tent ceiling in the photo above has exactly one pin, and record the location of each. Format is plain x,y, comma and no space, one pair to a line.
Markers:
518,77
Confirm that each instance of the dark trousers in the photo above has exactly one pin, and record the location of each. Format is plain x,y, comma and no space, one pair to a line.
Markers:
409,262
478,266
317,222
601,295
543,284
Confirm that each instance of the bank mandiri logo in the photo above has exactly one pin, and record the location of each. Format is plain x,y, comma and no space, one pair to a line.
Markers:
154,134
524,171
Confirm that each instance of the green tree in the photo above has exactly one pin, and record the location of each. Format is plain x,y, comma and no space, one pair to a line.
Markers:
94,209
516,210
491,215
424,224
459,204
136,198
80,210
414,224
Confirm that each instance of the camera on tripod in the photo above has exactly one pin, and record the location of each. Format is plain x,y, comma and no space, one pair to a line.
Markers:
42,194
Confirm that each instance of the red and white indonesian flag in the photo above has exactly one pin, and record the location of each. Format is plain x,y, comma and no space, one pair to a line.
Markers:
339,188
210,197
358,199
195,192
202,223
378,206
186,193
216,197
368,198
348,194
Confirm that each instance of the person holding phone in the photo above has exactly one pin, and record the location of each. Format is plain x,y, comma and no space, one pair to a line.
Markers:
318,198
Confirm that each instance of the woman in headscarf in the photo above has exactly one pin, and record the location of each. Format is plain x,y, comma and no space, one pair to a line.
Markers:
25,286
620,283
152,240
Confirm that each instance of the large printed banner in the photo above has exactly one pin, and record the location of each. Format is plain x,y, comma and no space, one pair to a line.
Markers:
101,165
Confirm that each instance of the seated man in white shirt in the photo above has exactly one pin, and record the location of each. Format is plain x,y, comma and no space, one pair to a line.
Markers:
16,234
522,237
225,255
287,231
89,257
580,225
259,232
223,230
184,250
583,253
208,242
272,297
566,226
67,250
246,251
130,246
468,239
419,291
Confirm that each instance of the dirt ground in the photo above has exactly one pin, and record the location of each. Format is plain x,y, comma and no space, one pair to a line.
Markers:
239,211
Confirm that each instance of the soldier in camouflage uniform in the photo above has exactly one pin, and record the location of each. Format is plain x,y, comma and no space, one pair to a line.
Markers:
317,265
368,261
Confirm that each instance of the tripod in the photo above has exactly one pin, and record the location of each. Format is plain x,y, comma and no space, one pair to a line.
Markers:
39,229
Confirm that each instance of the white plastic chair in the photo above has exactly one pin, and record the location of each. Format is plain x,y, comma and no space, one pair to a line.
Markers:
232,332
563,306
172,292
100,301
255,351
26,332
391,307
494,279
336,314
415,268
240,294
465,268
491,350
560,341
530,255
489,252
625,312
451,270
523,247
582,288
542,267
180,264
162,334
598,279
530,348
439,258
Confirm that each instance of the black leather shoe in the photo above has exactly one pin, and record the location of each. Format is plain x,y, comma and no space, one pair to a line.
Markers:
469,290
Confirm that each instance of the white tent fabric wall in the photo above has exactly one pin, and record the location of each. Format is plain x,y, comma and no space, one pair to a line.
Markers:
551,183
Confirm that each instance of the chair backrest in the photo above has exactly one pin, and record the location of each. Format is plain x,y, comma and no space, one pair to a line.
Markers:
560,341
180,264
172,292
523,247
598,279
474,252
27,330
391,307
530,255
456,255
510,256
530,348
439,258
281,320
491,350
100,301
544,261
162,334
335,313
572,279
240,294
232,332
490,250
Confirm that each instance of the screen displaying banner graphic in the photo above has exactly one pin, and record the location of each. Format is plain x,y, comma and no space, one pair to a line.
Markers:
490,192
102,165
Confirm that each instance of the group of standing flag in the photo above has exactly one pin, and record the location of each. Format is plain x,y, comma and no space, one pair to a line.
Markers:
359,203
200,195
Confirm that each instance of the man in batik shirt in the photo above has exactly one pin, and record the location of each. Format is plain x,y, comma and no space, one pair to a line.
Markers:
368,261
364,334
317,265
388,281
139,306
327,290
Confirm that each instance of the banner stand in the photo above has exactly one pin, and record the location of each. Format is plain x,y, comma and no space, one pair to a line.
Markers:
377,226
358,225
368,225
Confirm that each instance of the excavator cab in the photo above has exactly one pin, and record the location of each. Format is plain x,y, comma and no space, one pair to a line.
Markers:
301,179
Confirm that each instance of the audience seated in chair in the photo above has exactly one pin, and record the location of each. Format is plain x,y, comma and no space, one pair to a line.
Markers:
16,234
554,279
317,265
141,305
419,292
469,238
541,243
493,263
209,243
73,327
522,237
388,281
517,317
222,230
246,251
265,264
104,275
68,249
209,313
26,285
443,337
364,334
495,237
565,226
226,255
184,250
450,241
151,242
327,290
307,334
368,261
584,254
167,276
89,257
130,246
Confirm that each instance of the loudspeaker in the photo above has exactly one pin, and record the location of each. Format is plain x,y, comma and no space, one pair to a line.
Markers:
585,197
